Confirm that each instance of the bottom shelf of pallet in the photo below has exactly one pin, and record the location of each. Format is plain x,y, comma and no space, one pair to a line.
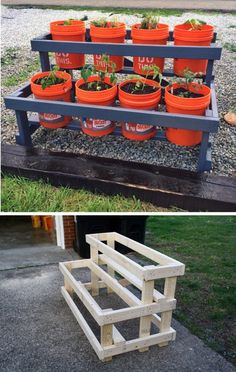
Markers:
120,345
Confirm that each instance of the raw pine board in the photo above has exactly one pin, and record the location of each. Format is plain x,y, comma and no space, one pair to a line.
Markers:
152,302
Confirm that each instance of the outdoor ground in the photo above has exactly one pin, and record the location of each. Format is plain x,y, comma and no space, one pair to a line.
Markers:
22,195
19,63
39,332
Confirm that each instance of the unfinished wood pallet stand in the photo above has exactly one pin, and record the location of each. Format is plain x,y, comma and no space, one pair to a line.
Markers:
152,301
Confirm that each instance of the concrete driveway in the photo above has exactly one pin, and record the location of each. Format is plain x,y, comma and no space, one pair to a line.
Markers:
39,332
226,5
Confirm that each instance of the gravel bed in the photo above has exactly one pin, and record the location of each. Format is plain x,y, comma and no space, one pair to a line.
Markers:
18,31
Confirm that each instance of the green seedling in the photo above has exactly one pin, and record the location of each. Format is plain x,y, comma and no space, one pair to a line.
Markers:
51,79
149,22
103,22
196,24
190,79
142,81
89,70
68,22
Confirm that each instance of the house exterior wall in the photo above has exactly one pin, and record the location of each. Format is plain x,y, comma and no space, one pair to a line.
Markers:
69,231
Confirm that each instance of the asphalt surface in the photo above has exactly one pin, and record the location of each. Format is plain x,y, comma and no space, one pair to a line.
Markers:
39,332
226,5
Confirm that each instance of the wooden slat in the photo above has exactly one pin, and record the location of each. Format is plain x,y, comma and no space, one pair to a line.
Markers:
145,321
132,279
150,253
137,343
83,294
83,324
121,259
164,271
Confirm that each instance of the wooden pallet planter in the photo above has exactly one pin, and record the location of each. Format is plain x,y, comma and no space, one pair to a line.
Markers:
22,102
152,301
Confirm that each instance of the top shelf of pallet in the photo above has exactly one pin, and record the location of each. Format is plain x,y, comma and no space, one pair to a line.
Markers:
45,43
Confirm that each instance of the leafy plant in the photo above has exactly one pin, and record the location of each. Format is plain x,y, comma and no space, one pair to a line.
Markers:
89,70
142,81
103,22
196,24
149,22
68,22
50,79
190,79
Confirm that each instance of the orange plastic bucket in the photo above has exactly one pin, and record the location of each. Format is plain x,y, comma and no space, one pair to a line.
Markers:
183,36
135,131
73,32
188,106
108,35
58,92
158,36
96,127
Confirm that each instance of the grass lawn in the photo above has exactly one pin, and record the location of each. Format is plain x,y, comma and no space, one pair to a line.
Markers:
206,295
22,195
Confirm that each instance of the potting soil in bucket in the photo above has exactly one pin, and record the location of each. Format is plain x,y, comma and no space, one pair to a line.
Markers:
149,101
184,35
115,34
57,92
156,36
75,31
91,126
188,106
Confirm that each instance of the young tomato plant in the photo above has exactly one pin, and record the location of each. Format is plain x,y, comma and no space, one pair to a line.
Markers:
68,22
103,22
196,24
189,79
142,81
89,70
51,79
149,22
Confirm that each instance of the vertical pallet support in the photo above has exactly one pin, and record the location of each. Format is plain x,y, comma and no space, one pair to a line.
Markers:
94,278
111,272
202,159
66,281
24,137
169,293
145,321
44,61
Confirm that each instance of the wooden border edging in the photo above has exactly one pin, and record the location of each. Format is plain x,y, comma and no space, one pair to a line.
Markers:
162,186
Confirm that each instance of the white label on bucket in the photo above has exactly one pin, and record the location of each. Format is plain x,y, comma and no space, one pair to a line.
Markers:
63,58
100,63
96,124
145,61
50,118
138,128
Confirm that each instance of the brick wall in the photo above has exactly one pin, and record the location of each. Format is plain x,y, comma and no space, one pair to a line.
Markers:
69,231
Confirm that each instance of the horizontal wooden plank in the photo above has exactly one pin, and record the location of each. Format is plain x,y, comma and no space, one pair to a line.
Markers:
121,259
122,49
76,264
83,294
162,186
138,311
164,271
83,324
132,279
150,253
156,118
113,283
139,343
